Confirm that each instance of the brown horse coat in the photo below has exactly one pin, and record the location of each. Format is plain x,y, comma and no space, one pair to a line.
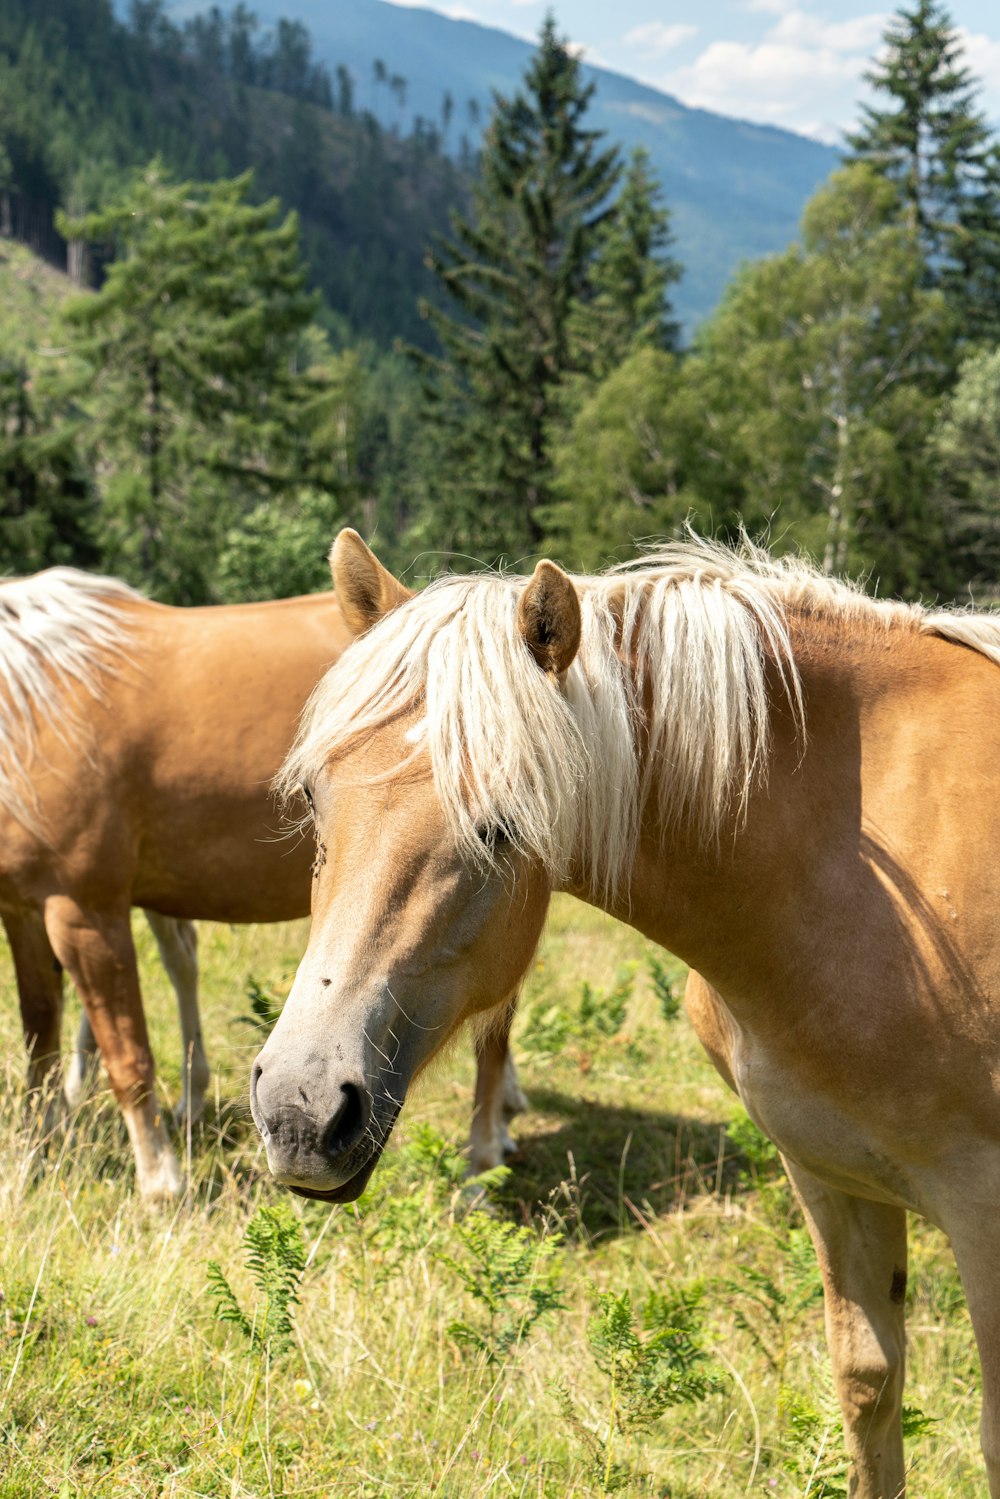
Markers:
792,787
140,775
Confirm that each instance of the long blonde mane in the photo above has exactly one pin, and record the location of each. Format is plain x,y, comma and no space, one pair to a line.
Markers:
60,631
672,671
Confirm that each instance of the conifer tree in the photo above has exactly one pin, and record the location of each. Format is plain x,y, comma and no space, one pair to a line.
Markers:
184,366
935,144
628,308
48,507
514,270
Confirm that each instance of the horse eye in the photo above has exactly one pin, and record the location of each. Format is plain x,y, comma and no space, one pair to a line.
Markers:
308,796
493,834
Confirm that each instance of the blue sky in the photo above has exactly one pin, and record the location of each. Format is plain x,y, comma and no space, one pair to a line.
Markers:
796,63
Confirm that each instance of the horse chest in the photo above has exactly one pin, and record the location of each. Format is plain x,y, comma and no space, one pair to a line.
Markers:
819,1131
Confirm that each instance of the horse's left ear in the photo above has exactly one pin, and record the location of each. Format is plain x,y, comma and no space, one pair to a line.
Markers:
365,589
548,616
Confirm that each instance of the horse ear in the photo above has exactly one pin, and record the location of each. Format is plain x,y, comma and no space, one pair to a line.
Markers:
548,616
365,590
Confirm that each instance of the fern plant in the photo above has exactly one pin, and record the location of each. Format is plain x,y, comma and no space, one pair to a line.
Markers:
651,1362
603,1014
275,1259
663,988
511,1275
265,1008
274,1256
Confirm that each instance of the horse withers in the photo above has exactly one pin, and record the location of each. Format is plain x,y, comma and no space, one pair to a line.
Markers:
791,786
136,753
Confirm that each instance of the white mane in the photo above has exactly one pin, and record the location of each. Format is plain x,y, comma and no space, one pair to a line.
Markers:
59,631
672,669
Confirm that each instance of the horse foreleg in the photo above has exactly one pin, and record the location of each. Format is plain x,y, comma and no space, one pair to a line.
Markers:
177,941
498,1095
861,1247
96,950
40,992
976,1244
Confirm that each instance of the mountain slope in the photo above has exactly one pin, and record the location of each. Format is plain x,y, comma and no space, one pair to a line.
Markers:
736,189
85,98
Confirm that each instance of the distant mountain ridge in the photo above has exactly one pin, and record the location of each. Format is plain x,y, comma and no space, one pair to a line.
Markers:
735,189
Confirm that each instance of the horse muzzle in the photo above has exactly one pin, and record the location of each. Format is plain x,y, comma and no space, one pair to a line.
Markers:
316,1150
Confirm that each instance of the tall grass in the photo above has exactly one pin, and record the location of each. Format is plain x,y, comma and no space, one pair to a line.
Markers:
431,1355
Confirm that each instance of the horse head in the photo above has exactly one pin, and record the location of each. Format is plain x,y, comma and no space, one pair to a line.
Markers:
429,895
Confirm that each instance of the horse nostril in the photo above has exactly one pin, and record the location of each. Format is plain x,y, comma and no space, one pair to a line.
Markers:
349,1122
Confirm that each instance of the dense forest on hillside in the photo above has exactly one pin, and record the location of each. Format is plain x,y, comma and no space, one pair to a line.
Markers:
85,97
486,383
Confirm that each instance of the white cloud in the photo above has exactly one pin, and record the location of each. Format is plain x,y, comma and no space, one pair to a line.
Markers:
453,12
806,71
982,55
861,34
772,80
656,38
821,130
771,7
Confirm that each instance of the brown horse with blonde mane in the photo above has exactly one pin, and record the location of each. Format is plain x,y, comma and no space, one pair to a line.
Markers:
790,785
137,747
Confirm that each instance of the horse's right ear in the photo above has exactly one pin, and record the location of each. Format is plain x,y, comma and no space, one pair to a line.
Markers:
548,617
365,590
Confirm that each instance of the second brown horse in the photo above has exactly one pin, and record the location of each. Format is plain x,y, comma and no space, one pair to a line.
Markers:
137,747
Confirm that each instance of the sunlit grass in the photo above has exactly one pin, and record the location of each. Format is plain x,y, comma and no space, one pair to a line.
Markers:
117,1379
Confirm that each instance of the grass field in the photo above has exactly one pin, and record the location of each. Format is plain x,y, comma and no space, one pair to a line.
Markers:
637,1174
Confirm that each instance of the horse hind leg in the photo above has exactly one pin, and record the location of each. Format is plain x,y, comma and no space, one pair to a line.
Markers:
177,941
96,950
514,1101
83,1062
40,993
861,1247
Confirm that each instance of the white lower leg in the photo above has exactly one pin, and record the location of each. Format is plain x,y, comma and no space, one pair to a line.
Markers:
177,941
83,1064
158,1174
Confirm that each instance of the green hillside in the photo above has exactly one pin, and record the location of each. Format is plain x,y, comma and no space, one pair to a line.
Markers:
85,98
31,293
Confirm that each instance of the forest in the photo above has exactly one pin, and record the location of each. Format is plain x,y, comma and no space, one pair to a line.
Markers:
286,316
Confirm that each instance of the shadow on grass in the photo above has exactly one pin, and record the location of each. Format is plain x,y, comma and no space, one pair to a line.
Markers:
600,1168
605,1167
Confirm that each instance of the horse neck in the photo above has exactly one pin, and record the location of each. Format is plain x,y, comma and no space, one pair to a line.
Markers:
729,906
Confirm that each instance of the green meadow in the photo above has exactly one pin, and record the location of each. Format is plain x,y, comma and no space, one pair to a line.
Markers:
633,1307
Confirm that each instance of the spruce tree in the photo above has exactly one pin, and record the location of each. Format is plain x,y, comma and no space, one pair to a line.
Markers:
48,506
184,371
628,308
514,271
933,142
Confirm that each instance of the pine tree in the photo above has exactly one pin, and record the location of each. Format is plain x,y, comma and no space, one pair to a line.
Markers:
514,271
48,507
184,365
628,308
934,143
